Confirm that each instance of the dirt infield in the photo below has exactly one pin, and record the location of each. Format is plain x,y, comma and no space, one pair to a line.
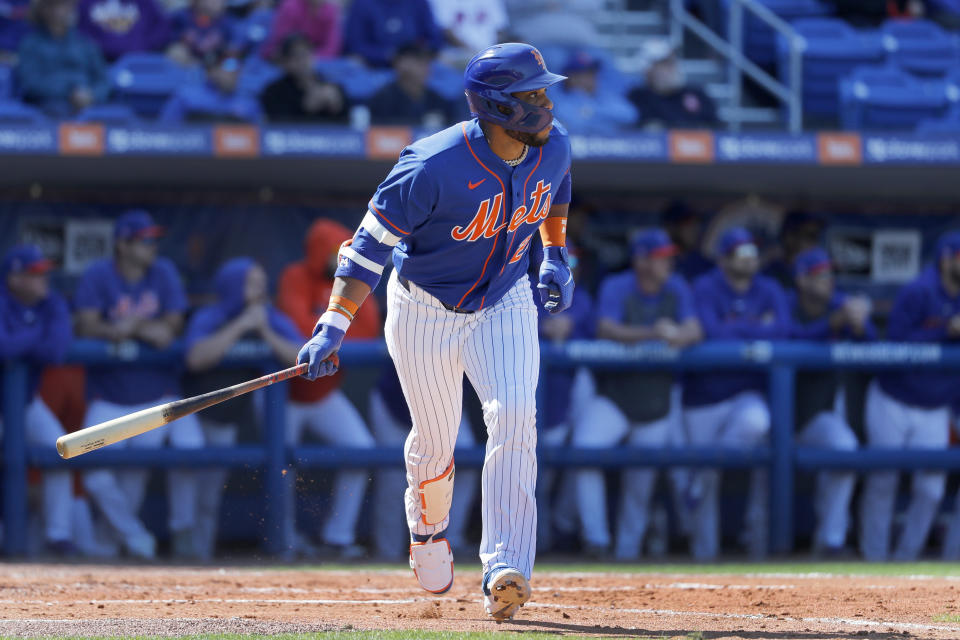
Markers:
62,600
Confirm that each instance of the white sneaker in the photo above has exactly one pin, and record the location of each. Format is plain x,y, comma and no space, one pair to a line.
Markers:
505,590
432,563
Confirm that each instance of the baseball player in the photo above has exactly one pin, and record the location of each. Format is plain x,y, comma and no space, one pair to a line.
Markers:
646,302
728,408
322,408
242,310
910,409
136,295
35,326
819,312
459,302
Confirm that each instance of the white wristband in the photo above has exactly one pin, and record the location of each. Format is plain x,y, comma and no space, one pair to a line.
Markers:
334,319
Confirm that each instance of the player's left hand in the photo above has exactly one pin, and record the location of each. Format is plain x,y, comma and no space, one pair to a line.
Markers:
321,352
556,281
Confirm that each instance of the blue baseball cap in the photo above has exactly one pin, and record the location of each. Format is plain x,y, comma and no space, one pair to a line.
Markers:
653,243
948,243
736,240
580,61
26,258
136,223
812,261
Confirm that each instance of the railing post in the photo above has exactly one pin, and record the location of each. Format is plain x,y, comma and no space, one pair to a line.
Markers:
735,34
14,458
796,81
781,464
274,483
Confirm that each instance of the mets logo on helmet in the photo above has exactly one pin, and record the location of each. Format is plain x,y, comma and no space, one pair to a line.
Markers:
539,58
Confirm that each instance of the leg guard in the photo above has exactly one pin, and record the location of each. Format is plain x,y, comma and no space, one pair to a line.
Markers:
436,495
432,563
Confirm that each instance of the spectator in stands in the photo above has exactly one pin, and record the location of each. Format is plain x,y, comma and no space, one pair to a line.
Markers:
242,310
320,406
60,69
729,408
14,24
818,312
666,101
408,100
685,228
137,296
318,21
375,30
469,26
546,22
391,422
583,107
218,99
124,26
570,393
910,409
648,302
204,33
35,327
799,232
301,94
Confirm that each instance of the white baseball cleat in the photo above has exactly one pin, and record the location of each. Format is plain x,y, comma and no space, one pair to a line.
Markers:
432,563
505,590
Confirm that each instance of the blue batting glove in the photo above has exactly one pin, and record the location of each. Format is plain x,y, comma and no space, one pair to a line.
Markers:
321,351
556,281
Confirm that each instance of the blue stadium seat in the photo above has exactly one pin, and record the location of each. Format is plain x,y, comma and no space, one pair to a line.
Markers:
832,49
887,98
255,74
920,47
446,81
6,81
358,82
760,40
15,112
109,113
255,28
145,80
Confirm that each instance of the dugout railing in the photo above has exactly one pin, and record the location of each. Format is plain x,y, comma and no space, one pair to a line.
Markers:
780,359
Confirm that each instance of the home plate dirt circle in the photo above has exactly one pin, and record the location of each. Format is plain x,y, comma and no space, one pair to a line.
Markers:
84,600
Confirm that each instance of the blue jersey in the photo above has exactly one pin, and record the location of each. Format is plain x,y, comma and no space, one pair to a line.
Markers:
921,313
158,293
803,327
40,334
759,313
458,219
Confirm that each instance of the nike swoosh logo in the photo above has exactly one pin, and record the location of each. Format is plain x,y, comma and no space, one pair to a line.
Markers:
474,185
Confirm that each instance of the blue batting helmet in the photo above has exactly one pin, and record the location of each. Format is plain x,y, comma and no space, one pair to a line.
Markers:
498,71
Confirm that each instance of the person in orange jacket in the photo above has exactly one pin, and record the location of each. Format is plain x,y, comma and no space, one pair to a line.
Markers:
320,406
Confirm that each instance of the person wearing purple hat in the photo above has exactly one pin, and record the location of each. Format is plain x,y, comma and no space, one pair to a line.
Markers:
910,409
728,408
646,303
820,313
35,327
137,296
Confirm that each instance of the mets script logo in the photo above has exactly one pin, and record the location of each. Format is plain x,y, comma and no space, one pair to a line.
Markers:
486,223
539,58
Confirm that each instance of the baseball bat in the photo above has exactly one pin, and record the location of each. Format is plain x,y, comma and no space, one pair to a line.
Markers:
100,435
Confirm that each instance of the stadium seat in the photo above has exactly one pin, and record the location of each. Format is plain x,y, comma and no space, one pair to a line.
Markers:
920,47
255,74
358,82
759,39
6,81
110,113
832,49
887,98
145,80
15,112
255,28
446,81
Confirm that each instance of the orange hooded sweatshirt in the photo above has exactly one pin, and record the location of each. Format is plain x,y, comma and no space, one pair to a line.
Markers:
305,291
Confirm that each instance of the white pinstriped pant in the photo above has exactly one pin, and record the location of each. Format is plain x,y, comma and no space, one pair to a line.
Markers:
498,350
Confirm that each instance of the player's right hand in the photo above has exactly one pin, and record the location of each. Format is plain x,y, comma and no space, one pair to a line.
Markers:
320,352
